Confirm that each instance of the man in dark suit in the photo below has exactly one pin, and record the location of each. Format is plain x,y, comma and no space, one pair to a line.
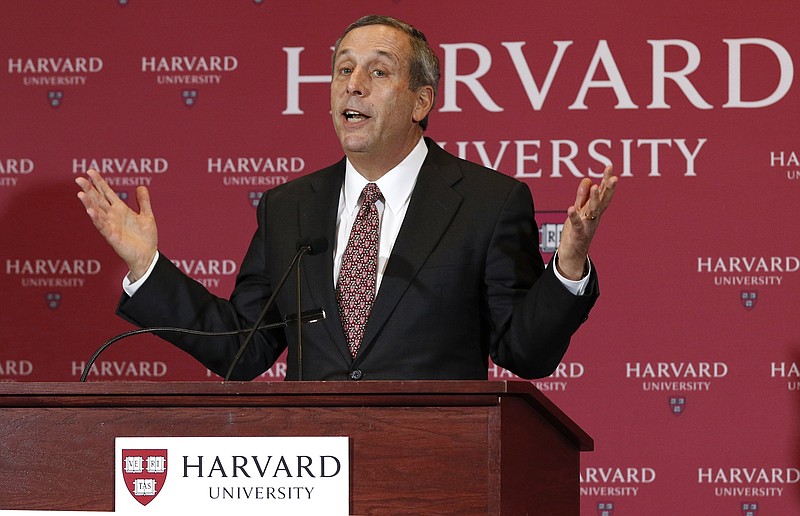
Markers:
455,271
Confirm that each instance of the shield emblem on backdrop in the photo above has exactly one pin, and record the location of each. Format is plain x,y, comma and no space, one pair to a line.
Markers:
748,298
53,300
605,508
54,97
144,472
749,508
677,404
254,198
189,97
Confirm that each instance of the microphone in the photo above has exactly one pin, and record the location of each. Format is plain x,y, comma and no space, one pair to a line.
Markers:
304,247
313,246
307,317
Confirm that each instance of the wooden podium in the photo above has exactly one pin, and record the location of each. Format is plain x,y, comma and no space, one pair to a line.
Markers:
422,447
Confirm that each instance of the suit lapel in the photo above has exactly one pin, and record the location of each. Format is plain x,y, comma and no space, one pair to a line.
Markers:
432,207
317,214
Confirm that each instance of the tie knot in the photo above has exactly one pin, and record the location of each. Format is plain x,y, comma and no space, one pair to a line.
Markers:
371,193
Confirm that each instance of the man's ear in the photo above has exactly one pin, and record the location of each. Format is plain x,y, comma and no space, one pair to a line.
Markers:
424,103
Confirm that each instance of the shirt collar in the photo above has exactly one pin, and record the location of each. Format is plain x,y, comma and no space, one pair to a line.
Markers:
396,185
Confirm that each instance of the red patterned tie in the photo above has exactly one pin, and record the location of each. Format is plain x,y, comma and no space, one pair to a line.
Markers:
355,291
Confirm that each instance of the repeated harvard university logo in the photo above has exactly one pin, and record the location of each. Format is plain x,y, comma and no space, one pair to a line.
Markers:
144,472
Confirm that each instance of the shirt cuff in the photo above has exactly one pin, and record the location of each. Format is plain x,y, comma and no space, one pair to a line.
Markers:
129,287
576,287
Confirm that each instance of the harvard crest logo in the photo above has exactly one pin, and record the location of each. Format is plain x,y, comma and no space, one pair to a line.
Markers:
605,508
748,298
677,404
144,472
254,198
54,98
749,508
53,300
189,97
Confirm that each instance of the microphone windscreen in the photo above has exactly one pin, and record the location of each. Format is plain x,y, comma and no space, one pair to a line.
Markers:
316,245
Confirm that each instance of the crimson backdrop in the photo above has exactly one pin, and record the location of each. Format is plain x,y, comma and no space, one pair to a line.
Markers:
686,373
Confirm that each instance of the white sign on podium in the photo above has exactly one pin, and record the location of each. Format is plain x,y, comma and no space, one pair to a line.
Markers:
232,475
227,475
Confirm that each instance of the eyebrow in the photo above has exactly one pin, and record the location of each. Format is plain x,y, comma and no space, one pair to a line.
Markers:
378,53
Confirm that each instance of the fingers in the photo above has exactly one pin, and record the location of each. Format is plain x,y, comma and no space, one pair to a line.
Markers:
90,199
582,194
574,216
608,183
592,199
99,201
108,195
87,190
94,191
586,200
98,196
143,200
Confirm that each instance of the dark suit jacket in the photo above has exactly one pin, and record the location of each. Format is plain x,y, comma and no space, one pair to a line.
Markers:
465,281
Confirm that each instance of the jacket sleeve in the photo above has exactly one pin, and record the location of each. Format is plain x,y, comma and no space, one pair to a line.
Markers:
532,316
170,298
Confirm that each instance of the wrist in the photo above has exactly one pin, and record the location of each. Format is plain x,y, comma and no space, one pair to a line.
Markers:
572,268
141,268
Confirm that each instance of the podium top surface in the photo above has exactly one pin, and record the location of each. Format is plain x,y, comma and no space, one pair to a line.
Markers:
274,394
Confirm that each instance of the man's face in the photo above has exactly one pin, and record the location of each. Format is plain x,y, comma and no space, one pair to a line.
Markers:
373,109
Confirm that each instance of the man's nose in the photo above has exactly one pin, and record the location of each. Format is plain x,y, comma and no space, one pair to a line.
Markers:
356,84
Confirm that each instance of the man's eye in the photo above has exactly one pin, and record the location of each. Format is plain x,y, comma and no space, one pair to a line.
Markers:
345,71
379,73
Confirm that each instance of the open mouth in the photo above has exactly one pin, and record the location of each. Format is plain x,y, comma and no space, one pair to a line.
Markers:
354,116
